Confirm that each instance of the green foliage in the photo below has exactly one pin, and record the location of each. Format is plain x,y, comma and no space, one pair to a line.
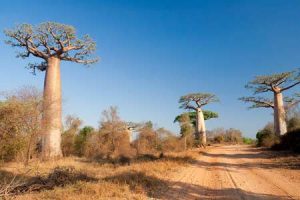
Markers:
192,115
81,138
248,140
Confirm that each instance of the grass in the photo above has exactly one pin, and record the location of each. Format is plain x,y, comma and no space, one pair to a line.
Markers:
78,178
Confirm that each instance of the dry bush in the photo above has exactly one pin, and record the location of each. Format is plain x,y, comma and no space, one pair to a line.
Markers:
112,140
58,177
293,122
20,123
267,137
231,136
147,140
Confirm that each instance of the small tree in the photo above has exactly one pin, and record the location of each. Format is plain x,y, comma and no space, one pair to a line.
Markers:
195,101
20,123
81,139
186,128
114,134
276,83
52,42
72,126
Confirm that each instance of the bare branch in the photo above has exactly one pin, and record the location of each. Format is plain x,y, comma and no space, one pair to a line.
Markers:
52,39
258,102
290,86
274,82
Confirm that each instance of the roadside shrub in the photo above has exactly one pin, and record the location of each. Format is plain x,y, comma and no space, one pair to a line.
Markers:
293,123
231,136
219,138
289,141
267,137
248,140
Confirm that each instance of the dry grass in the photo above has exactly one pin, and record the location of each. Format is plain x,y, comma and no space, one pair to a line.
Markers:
77,178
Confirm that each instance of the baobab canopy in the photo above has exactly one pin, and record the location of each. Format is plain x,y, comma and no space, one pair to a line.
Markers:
51,39
197,100
282,81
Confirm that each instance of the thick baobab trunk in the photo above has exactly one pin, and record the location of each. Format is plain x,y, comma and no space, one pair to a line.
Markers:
200,127
279,114
52,117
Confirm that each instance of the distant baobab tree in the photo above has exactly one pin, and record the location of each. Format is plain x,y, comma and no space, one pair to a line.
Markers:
275,83
52,42
195,101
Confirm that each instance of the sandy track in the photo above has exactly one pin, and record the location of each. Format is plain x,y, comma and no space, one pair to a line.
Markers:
234,172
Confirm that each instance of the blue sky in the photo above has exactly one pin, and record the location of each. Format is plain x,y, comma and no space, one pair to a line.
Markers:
154,51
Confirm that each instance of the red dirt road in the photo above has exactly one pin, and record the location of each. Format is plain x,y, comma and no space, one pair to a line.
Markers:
236,172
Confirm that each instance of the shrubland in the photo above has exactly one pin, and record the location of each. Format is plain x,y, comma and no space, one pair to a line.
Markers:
289,141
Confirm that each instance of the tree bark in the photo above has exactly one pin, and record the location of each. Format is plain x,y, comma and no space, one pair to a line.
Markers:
279,114
200,127
52,110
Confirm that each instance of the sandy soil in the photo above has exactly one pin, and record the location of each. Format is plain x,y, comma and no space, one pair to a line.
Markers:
237,172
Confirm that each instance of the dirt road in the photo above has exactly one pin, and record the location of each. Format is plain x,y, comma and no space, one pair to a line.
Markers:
236,172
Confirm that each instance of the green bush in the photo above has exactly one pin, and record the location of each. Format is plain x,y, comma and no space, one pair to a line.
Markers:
248,140
81,139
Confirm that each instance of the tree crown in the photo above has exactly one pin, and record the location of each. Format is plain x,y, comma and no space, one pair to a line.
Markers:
51,39
197,100
275,82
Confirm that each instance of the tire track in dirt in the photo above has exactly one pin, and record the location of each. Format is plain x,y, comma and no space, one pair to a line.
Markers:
231,172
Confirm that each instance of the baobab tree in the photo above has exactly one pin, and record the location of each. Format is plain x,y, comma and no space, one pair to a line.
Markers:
277,84
195,101
51,42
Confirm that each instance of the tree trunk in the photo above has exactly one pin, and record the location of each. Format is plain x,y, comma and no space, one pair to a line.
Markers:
200,127
202,130
279,114
52,117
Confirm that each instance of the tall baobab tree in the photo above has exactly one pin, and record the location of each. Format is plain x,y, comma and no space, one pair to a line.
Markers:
195,101
277,84
52,42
